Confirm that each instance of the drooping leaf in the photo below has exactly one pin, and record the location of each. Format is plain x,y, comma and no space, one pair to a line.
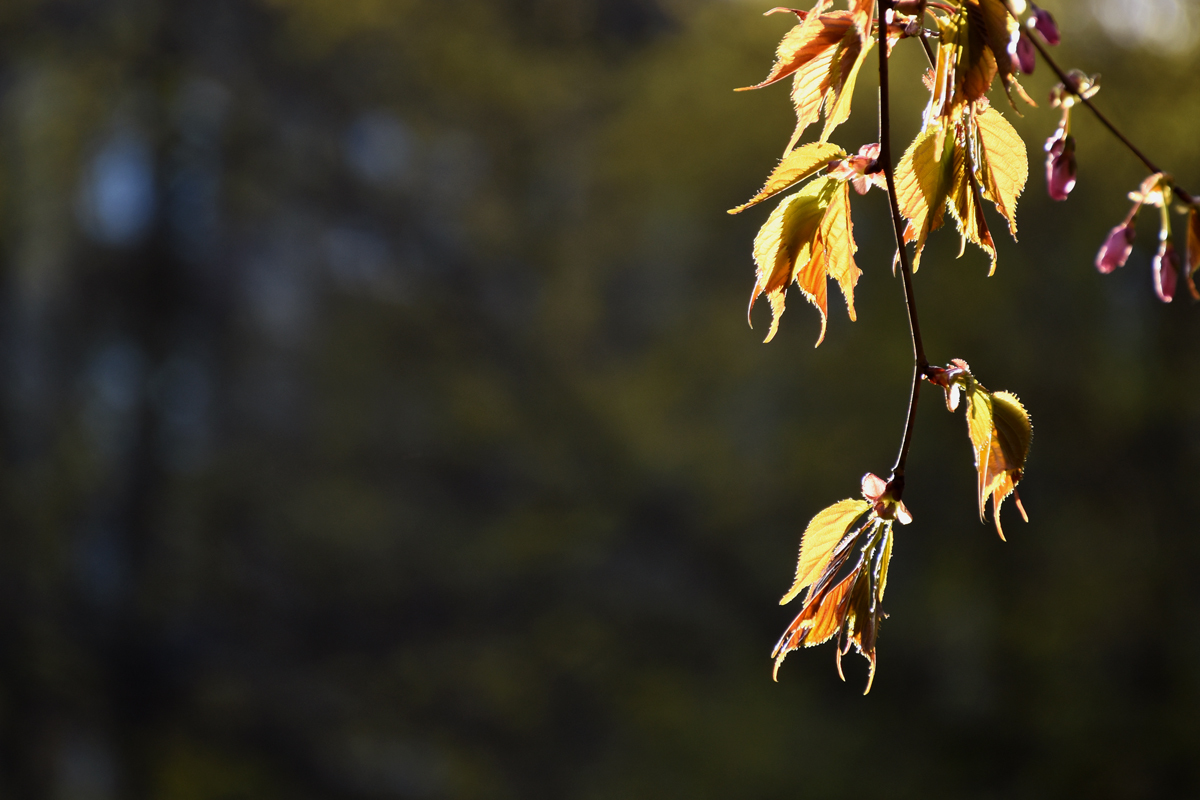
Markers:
793,168
1000,432
820,538
784,244
923,179
1004,163
848,606
808,238
966,203
816,33
837,238
844,73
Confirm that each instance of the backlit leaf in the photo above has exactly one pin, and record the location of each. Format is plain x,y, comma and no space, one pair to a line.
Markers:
1000,432
1004,163
923,179
784,245
793,168
821,536
966,203
848,606
837,238
815,34
843,74
808,238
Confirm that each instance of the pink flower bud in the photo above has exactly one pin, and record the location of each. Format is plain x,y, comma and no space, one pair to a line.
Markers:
1045,24
1166,271
1021,50
1116,248
1060,165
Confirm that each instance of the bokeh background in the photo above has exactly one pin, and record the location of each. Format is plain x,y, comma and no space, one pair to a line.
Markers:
380,419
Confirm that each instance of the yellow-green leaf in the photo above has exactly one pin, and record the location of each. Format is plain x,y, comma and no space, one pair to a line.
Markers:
966,203
843,75
805,42
785,244
837,239
821,536
793,168
1004,163
1001,433
923,183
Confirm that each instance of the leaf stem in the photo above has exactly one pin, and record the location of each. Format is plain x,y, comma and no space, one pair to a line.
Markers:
920,364
1069,84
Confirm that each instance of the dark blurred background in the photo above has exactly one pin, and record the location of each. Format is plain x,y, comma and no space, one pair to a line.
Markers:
380,419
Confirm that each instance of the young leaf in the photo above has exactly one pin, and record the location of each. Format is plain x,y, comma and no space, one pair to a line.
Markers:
966,204
793,168
837,238
923,179
820,538
1000,433
844,73
1004,163
816,33
808,238
851,608
826,78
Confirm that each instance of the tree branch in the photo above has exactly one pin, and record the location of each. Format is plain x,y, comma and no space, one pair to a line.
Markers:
920,364
1069,84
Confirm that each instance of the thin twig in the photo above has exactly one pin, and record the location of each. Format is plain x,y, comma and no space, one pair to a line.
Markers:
1069,84
920,364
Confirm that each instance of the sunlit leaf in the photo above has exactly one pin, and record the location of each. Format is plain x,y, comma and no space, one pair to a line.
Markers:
845,604
793,168
808,238
923,179
837,237
1004,163
814,35
821,536
1000,433
844,73
966,203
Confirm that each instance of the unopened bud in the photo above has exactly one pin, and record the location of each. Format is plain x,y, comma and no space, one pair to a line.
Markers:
1060,165
1044,24
1116,248
1166,271
1021,49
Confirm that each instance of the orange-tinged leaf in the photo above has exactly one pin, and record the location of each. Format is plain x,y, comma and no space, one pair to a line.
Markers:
808,92
821,536
843,75
966,204
1001,433
837,237
1004,163
804,42
979,428
785,242
923,179
1193,252
793,168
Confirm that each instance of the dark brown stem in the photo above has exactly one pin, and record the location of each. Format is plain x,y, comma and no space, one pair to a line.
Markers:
1069,84
920,364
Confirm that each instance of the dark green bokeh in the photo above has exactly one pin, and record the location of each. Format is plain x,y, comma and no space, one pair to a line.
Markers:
381,420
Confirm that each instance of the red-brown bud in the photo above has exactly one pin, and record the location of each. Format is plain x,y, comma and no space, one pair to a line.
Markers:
1116,248
1166,271
1060,165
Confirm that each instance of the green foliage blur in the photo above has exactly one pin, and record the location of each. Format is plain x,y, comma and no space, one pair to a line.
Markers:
380,419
